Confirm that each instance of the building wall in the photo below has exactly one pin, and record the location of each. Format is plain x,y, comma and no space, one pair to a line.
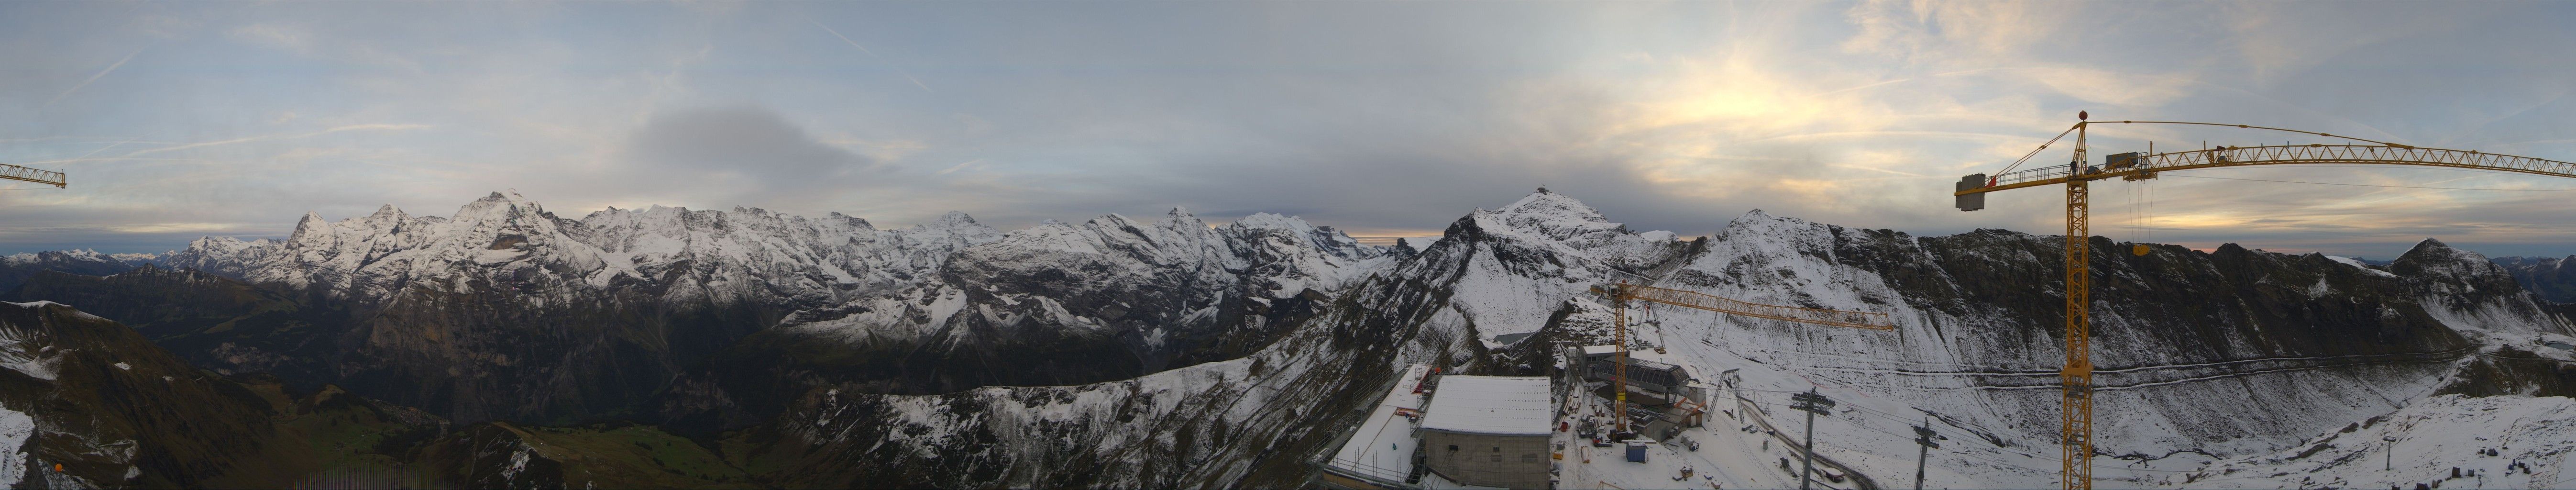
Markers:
1488,460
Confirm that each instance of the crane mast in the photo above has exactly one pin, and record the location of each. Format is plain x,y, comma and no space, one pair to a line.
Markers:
2076,378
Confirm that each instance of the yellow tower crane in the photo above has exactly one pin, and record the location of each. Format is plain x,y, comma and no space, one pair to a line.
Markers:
14,172
1623,292
2076,378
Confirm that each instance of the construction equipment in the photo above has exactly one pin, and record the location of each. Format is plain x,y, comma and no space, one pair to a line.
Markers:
1622,292
2076,378
14,172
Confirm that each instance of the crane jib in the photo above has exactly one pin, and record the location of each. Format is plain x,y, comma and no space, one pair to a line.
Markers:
2136,166
40,176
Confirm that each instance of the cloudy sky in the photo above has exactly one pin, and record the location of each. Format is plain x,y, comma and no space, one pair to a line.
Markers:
177,120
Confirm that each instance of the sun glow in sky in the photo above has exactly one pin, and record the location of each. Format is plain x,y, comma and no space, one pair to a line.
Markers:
177,120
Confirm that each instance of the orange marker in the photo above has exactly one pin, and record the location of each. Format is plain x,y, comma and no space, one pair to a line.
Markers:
58,467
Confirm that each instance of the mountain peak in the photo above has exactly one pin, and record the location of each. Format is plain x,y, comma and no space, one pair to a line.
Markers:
307,224
499,204
386,213
2431,249
1551,204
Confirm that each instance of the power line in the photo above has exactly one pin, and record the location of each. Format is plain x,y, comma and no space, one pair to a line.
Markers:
1866,410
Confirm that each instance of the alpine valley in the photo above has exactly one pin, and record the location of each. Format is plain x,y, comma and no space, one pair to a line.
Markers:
504,345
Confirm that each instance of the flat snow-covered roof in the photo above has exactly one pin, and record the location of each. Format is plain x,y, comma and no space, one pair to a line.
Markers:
1498,405
1591,350
1382,448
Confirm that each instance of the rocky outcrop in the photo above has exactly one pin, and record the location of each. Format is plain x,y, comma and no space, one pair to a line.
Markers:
2552,279
85,403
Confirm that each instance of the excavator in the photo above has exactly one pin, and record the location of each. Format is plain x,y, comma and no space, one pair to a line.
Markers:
1621,293
2076,377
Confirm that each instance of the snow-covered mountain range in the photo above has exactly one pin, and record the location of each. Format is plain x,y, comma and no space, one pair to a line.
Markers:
1184,354
16,268
503,301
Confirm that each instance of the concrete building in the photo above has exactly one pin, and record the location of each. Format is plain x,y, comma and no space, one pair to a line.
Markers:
1489,431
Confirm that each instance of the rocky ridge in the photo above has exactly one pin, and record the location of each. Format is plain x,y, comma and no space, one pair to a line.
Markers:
503,301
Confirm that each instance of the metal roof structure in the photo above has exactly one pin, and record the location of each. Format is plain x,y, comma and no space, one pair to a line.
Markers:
1493,405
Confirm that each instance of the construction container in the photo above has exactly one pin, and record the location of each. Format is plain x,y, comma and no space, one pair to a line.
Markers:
1636,451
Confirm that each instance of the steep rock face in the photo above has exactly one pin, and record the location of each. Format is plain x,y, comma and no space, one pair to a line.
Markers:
115,411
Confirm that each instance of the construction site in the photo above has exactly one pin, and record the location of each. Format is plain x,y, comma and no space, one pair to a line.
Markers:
1653,413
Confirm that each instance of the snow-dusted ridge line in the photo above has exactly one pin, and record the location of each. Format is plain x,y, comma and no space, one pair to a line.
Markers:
737,255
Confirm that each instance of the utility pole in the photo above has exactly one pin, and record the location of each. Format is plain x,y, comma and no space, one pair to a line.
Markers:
1814,405
1923,436
2389,463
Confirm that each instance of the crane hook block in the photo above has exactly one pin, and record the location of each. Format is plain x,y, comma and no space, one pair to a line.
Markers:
1971,202
2138,250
